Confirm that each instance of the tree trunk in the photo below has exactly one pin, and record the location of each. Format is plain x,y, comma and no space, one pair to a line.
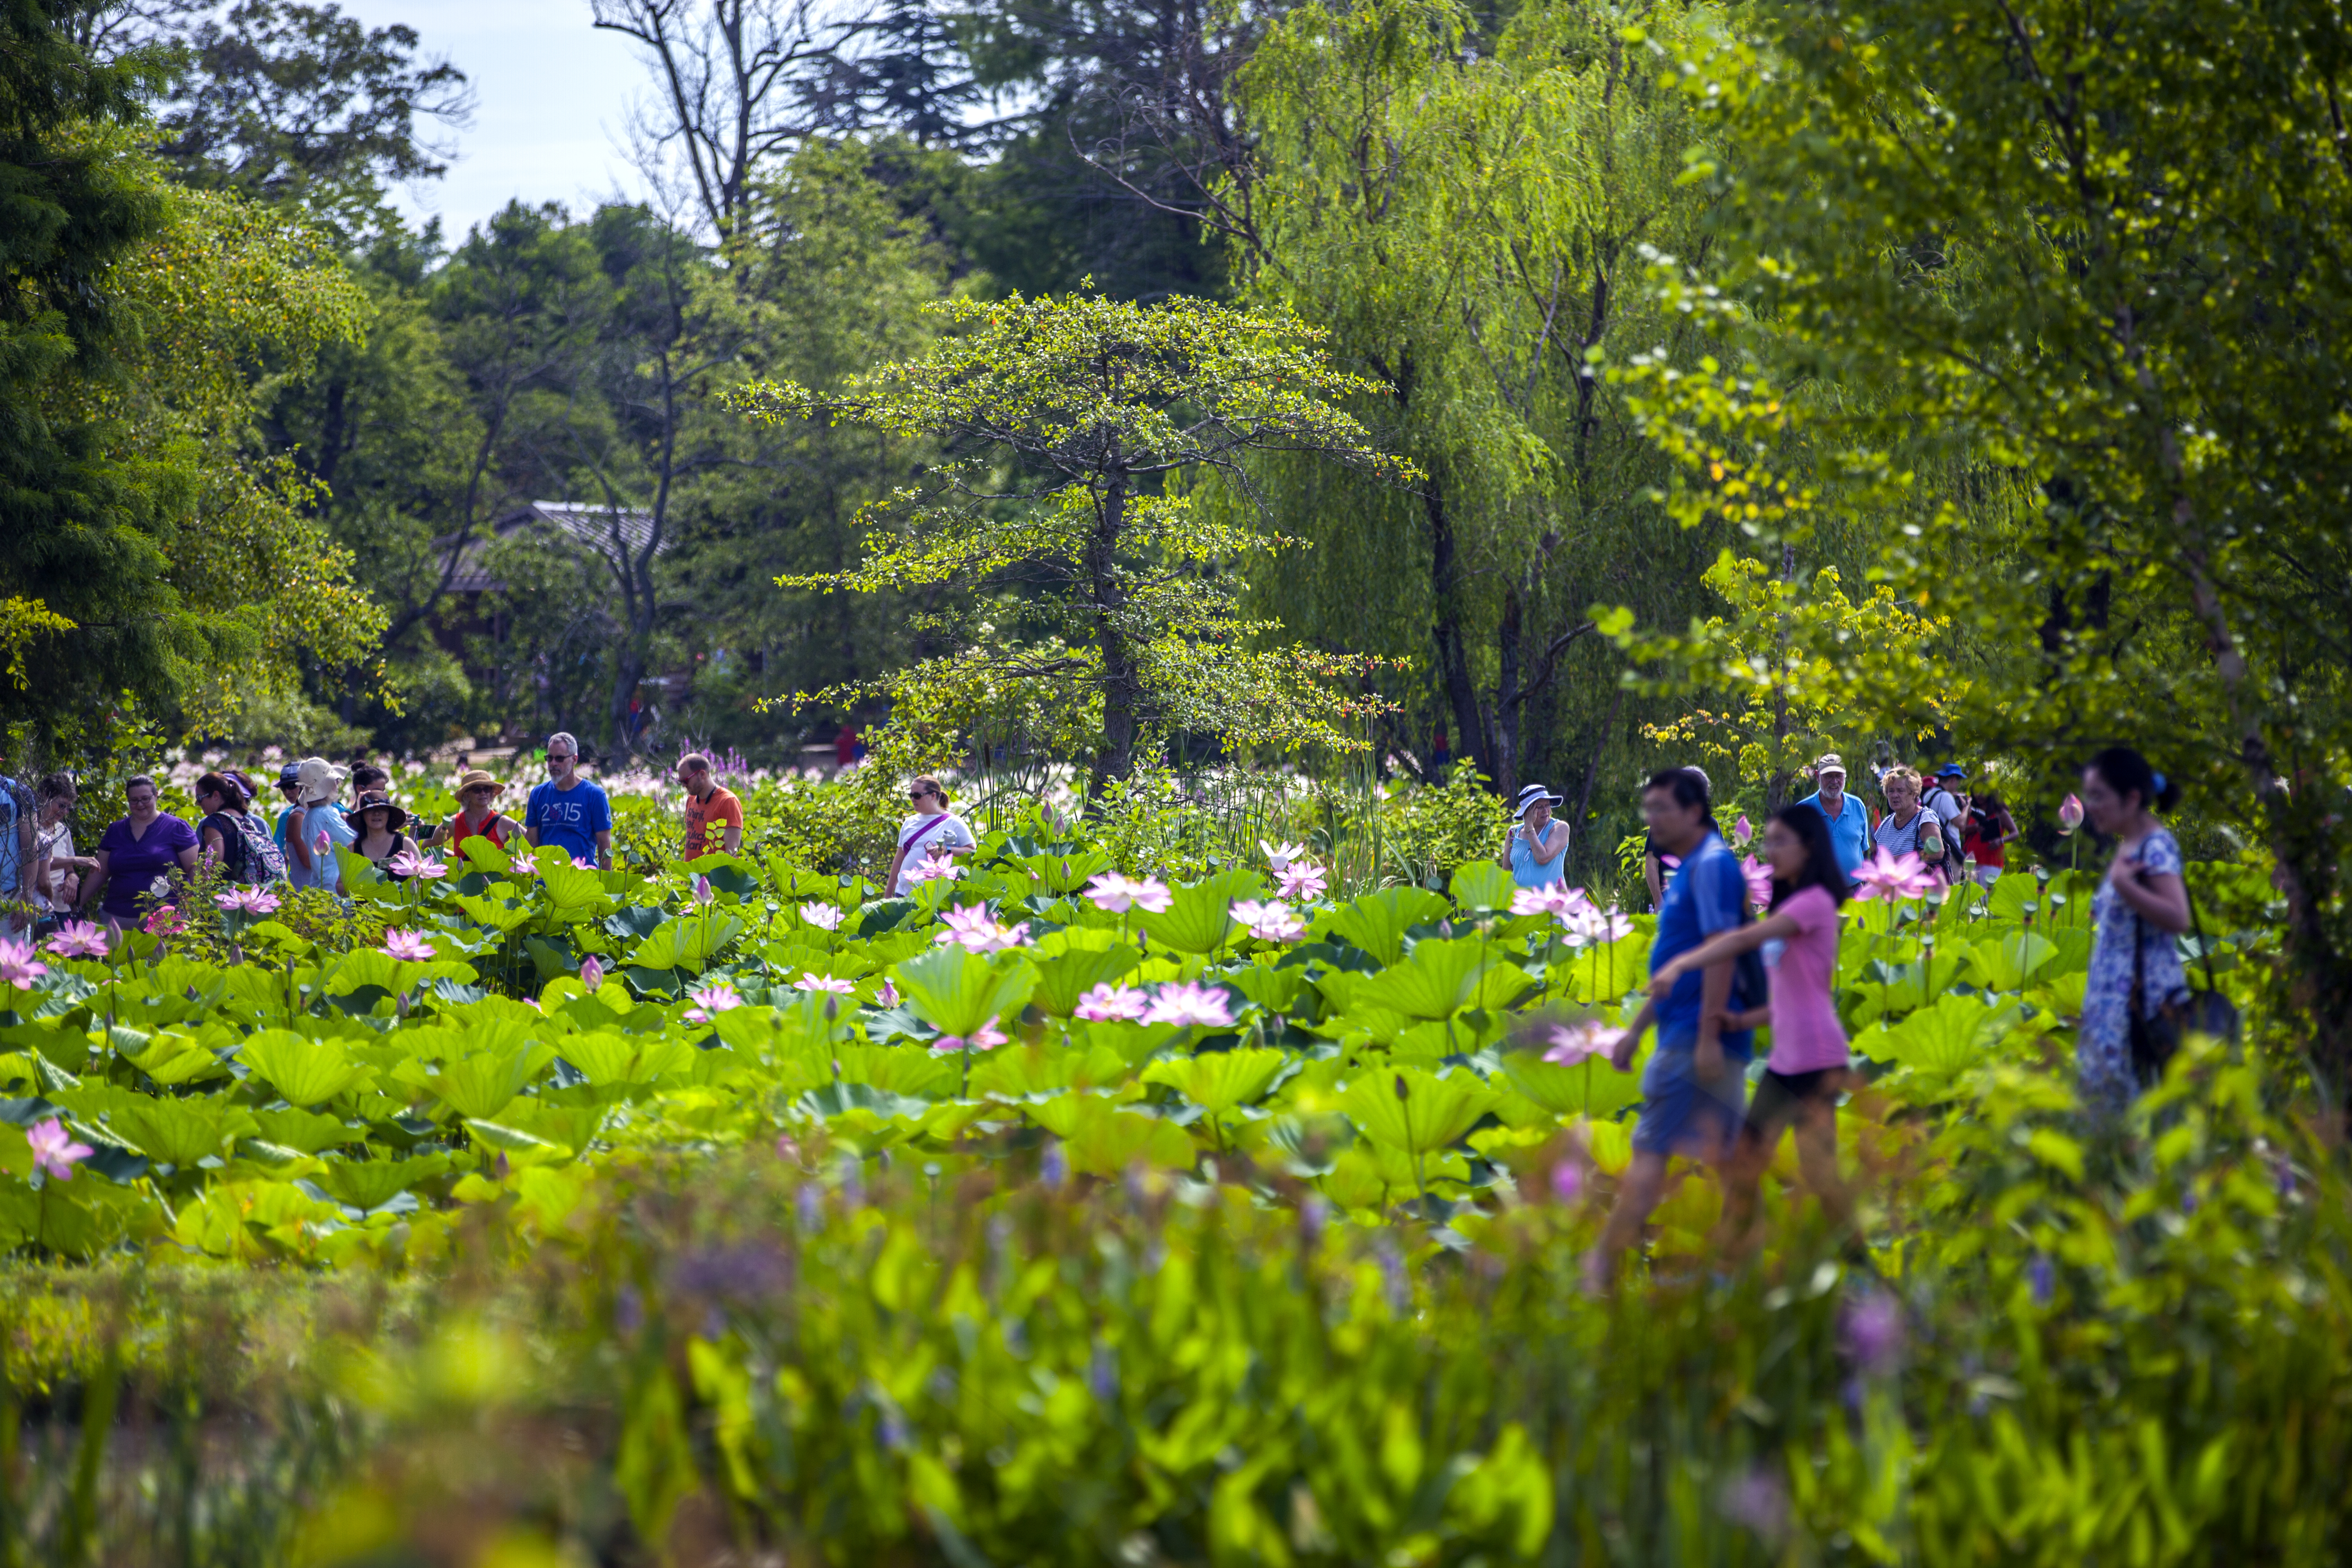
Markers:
1471,739
1509,705
1115,756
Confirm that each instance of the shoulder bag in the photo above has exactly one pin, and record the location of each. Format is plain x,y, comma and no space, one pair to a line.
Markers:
2156,1039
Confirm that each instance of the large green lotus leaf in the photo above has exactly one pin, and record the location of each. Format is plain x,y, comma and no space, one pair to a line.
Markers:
478,1087
567,1126
1276,989
173,1058
362,879
687,941
486,857
604,1059
371,1184
1217,1082
1433,1111
75,1219
1439,980
181,1131
956,991
1064,873
305,1072
1377,922
1018,1071
305,1132
1199,917
1065,978
1587,1088
1102,1139
1482,885
2063,994
496,913
901,1069
2011,962
573,894
1947,1037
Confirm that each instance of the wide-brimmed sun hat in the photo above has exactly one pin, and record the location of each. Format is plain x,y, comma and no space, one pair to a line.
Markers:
318,778
474,778
355,813
1529,796
1952,771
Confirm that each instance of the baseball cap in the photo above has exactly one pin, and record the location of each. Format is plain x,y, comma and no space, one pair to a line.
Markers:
1828,763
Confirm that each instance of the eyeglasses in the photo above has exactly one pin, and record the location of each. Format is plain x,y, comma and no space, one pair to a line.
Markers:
919,794
561,756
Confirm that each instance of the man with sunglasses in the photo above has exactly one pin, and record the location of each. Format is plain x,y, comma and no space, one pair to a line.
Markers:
569,812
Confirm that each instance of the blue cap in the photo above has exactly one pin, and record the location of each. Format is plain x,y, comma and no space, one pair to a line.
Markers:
1952,771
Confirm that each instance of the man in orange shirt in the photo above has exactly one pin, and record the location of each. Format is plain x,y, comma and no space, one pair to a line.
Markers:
708,805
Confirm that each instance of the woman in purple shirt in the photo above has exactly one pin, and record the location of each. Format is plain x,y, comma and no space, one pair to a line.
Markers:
139,851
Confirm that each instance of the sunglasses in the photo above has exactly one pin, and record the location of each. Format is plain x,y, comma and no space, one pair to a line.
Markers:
919,794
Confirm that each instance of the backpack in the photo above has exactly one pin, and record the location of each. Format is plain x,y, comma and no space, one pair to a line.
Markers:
265,863
1953,826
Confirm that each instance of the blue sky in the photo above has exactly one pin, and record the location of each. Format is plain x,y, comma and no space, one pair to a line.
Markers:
551,103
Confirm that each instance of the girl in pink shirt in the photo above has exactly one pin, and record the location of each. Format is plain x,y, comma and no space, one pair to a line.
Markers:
1806,1070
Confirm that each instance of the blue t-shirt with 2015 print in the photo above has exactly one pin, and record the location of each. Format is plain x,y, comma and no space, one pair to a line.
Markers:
570,818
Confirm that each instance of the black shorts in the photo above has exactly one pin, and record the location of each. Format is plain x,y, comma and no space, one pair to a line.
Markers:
1781,1097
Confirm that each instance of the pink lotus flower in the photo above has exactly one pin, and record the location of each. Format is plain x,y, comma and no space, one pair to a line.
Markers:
1759,881
1558,900
1269,922
408,863
408,946
703,891
18,965
824,916
1280,855
321,843
971,927
888,995
580,865
987,1037
1118,894
1603,925
934,867
1195,1004
812,981
1301,882
2070,814
79,939
1576,1042
1890,876
54,1152
1741,832
246,900
591,974
708,1001
1109,1004
1567,1182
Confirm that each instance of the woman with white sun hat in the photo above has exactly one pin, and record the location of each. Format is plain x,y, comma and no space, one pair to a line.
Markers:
1538,850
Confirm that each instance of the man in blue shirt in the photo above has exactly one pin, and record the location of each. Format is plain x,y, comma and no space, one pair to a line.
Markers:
1849,817
1695,1087
567,811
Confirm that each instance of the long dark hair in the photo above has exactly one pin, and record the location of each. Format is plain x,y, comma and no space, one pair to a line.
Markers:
1821,869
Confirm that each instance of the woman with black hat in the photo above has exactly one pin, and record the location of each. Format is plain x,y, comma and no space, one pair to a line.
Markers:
378,824
1538,850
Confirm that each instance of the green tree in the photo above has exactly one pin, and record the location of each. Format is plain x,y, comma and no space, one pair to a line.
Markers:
1072,429
1463,203
2106,247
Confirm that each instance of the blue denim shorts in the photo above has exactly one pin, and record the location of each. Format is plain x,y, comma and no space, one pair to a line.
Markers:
1682,1116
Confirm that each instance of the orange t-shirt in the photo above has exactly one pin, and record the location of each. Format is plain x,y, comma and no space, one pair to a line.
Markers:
721,810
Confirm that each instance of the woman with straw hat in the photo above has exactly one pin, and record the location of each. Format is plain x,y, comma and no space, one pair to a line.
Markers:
376,825
1537,852
477,816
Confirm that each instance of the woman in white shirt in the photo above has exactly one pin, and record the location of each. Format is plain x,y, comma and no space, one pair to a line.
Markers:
932,831
53,859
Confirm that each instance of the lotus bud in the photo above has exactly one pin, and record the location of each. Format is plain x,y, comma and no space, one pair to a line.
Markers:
1742,831
591,974
2070,814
